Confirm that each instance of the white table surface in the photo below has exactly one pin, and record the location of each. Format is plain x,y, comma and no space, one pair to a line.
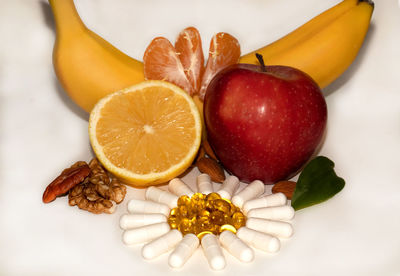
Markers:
42,132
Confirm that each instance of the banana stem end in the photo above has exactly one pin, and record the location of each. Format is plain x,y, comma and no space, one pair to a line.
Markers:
370,2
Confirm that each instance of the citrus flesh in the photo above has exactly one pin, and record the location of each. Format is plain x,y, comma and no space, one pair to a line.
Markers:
146,134
224,51
183,64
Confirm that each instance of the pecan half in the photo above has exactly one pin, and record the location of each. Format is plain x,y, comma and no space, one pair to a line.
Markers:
68,179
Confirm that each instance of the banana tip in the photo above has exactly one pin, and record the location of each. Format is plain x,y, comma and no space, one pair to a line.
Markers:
370,2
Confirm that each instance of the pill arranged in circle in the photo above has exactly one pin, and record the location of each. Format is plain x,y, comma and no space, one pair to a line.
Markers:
128,221
267,220
236,246
147,207
183,250
253,190
162,244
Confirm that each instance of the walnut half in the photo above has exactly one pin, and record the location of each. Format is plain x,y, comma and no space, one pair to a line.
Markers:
98,192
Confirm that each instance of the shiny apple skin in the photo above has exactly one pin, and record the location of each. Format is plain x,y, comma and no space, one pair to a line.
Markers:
264,125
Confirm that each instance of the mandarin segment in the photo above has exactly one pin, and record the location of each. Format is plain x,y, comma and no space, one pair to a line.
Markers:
183,64
161,62
224,51
190,52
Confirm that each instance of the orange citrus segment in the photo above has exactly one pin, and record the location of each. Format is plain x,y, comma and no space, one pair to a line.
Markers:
146,134
183,65
224,51
161,62
190,52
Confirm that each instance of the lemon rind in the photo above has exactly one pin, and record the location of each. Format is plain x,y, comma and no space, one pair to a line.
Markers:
149,178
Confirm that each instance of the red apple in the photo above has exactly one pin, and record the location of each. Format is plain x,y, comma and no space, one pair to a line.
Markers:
264,122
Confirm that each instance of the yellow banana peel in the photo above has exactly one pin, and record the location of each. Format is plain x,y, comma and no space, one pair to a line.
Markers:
325,46
88,67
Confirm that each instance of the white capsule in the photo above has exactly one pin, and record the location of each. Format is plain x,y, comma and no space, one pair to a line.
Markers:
145,233
252,190
229,187
259,240
179,188
161,196
128,221
284,212
277,199
213,252
183,250
236,246
162,244
276,228
204,184
147,207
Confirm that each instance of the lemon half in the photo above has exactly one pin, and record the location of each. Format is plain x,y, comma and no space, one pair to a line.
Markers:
146,134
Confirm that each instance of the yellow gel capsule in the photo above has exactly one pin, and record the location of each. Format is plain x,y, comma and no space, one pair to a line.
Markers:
196,228
183,211
204,213
174,211
198,196
185,226
222,205
203,222
217,217
198,201
209,205
227,219
203,226
213,196
227,200
202,234
193,212
216,229
208,227
185,222
183,200
200,205
238,220
193,221
228,227
233,209
173,222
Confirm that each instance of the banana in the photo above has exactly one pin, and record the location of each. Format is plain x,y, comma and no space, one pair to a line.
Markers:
87,66
325,46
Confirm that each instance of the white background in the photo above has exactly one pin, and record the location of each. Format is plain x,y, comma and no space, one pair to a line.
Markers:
42,132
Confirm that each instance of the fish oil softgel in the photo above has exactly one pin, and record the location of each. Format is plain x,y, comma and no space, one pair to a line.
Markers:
181,220
205,214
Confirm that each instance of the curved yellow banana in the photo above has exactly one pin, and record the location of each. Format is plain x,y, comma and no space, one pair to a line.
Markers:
87,66
324,46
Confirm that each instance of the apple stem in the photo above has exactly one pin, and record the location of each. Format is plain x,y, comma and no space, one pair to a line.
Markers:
261,61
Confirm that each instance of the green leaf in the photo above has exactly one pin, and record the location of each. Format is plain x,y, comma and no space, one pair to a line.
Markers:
317,183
